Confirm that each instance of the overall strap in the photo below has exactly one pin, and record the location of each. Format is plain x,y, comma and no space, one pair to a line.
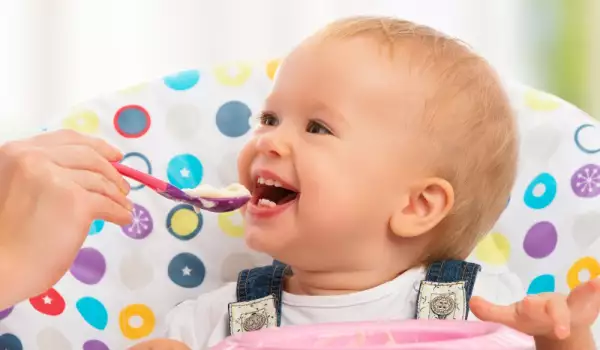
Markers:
262,282
448,278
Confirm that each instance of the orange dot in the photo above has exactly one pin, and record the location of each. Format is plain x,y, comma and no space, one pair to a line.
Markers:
272,67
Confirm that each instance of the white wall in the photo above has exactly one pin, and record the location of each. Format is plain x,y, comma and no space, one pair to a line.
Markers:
55,53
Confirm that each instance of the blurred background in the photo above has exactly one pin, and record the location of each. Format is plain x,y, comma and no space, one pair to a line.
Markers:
56,53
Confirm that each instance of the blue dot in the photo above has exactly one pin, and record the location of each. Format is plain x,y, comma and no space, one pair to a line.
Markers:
233,119
137,157
542,284
96,227
186,270
132,121
581,145
10,341
540,192
93,312
185,171
183,80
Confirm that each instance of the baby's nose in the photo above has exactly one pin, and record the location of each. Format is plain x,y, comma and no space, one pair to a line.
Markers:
273,145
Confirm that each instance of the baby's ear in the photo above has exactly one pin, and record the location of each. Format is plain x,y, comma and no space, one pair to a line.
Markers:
426,204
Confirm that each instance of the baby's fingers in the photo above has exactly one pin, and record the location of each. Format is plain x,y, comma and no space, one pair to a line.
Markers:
486,311
558,311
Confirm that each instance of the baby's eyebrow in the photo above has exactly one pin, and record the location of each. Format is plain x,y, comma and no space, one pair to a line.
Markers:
331,111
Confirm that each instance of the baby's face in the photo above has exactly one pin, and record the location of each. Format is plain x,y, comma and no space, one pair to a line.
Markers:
331,157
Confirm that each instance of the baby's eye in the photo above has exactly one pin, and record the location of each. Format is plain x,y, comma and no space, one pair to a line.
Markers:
314,127
269,119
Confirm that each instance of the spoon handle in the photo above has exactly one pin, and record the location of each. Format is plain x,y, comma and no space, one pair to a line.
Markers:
148,180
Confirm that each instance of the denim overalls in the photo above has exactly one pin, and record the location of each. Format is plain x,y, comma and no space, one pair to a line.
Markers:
444,294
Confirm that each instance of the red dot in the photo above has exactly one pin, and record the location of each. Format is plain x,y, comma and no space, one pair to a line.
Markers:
50,303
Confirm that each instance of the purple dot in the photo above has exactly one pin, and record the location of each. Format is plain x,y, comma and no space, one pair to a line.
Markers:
586,181
4,313
142,224
540,240
89,266
94,345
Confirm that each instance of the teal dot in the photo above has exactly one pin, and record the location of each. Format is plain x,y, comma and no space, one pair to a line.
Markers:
10,341
96,227
540,192
93,312
233,118
183,80
185,171
542,284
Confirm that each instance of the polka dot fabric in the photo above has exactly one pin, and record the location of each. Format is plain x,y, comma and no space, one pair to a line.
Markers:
188,127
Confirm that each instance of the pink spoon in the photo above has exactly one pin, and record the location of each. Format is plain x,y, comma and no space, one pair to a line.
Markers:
216,205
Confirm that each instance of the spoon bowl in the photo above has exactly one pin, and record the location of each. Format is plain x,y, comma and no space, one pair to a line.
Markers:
212,204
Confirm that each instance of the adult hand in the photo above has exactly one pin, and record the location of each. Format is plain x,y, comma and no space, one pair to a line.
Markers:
52,187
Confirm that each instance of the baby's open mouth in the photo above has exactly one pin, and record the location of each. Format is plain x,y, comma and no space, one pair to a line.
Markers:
270,193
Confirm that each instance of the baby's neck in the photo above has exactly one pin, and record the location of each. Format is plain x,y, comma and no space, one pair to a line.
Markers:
337,282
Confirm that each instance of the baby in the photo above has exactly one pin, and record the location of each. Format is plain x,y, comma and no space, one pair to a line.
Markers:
385,151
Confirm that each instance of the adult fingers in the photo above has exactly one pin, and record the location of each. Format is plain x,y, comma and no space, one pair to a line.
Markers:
70,137
104,208
96,183
82,157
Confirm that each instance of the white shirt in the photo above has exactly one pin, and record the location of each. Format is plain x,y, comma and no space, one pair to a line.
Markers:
203,323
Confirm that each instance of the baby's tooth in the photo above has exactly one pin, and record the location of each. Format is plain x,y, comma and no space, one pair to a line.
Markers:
266,203
261,180
269,182
276,183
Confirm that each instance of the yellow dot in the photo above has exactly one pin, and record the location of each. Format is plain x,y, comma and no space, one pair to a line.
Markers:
588,263
85,121
184,222
272,67
232,223
494,249
133,328
234,74
134,89
541,101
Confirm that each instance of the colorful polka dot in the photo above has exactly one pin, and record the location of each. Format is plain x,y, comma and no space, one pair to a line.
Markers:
89,266
540,192
183,80
233,75
52,339
588,266
50,303
582,143
95,345
137,321
136,271
10,341
541,239
183,222
272,67
540,101
185,171
183,121
233,118
4,313
142,224
186,270
132,121
93,312
139,162
232,223
82,121
542,284
585,182
494,249
96,227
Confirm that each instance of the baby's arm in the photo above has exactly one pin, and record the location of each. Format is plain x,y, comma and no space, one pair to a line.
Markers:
161,344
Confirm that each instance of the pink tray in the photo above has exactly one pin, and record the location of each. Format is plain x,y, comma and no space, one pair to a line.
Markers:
402,335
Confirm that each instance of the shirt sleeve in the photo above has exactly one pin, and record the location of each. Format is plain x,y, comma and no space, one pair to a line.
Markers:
502,288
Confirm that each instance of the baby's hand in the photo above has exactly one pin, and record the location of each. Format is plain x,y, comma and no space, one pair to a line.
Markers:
160,344
549,315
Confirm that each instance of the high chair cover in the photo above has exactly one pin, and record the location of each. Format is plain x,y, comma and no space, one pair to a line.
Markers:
187,128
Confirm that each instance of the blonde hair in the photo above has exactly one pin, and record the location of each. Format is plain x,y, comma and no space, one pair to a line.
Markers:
468,125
